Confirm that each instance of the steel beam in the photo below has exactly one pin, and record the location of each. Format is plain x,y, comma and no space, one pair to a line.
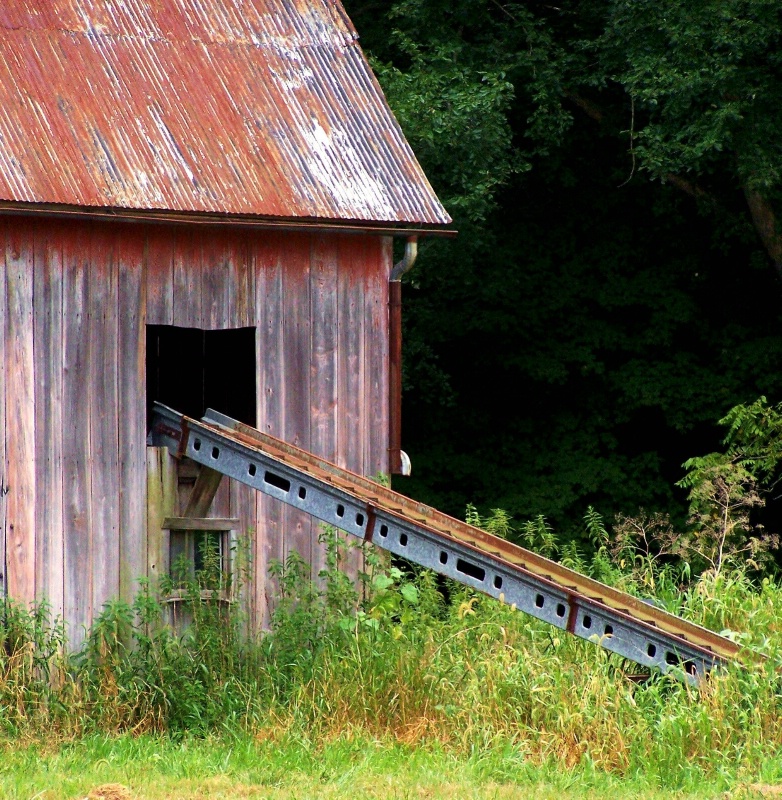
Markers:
666,643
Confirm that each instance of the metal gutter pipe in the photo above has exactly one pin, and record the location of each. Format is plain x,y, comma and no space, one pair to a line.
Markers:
411,253
399,462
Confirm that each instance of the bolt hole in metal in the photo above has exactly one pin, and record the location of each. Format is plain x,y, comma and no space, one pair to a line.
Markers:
608,630
651,650
277,481
251,470
539,600
468,568
403,540
443,557
561,609
587,621
673,660
302,493
340,511
688,666
197,444
359,520
215,452
384,531
498,582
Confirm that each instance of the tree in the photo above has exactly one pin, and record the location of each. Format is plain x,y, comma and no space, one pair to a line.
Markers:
610,166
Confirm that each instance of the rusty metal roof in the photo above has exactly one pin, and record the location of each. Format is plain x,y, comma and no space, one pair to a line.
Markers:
257,107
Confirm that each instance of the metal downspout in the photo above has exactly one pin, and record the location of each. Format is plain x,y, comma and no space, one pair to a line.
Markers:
399,463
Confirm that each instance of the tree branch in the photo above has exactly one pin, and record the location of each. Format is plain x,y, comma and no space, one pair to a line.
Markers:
762,213
686,186
587,106
766,225
596,113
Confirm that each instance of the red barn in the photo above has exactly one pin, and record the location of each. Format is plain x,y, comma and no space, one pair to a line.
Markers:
197,205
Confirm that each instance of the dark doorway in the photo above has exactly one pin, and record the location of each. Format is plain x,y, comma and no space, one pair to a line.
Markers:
191,370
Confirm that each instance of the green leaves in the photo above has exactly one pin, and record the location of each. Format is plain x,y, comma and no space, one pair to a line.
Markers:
410,593
584,333
724,488
455,117
754,436
705,81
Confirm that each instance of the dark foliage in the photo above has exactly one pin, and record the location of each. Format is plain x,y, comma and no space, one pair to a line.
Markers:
610,296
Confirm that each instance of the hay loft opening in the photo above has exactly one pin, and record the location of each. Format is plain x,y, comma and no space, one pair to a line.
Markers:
191,370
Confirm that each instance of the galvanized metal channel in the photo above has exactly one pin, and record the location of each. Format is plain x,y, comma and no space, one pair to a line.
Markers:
641,633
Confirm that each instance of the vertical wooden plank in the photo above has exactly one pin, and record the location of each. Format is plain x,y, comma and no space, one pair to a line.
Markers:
271,398
104,414
20,414
216,252
241,300
379,262
49,427
353,428
298,528
242,505
269,310
159,272
131,311
187,278
161,502
350,337
221,505
241,285
323,369
77,525
4,315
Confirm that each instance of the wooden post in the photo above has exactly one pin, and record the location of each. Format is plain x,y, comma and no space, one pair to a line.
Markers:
161,499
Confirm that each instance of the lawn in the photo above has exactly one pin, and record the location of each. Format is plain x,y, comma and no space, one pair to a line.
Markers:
159,768
398,694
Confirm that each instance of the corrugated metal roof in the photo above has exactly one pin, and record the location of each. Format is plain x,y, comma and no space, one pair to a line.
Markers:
260,107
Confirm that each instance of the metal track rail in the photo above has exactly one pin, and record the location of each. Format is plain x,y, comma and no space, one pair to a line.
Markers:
542,588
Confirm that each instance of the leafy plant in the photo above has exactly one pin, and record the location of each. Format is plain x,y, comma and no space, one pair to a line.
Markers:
723,493
754,438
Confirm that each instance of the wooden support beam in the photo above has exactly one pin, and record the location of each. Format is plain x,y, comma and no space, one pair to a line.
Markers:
200,523
205,488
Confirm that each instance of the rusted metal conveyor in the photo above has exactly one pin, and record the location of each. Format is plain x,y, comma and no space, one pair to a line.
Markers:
538,586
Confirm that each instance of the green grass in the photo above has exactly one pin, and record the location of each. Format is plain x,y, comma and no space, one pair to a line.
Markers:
391,694
155,767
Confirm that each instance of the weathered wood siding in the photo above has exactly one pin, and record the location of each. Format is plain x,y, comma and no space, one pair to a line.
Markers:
75,300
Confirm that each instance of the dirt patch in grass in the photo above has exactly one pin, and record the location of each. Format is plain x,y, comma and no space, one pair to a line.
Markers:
110,791
758,791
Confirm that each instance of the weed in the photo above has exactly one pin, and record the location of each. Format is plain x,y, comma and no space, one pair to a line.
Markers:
395,662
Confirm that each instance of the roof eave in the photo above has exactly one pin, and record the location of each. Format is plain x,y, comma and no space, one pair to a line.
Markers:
158,216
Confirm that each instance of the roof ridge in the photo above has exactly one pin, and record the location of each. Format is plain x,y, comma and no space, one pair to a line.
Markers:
93,35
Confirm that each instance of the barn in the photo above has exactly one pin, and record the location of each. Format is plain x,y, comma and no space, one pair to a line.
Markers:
198,204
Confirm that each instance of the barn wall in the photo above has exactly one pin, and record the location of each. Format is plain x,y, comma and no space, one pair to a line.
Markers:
75,299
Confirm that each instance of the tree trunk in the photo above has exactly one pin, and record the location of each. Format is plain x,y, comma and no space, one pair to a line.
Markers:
766,226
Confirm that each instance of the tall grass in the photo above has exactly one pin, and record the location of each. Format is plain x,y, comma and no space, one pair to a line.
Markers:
395,660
